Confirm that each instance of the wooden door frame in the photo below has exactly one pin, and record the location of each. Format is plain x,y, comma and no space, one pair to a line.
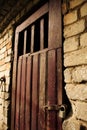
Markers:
54,41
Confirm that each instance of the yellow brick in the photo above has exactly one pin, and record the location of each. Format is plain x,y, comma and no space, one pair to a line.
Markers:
75,3
74,29
83,40
70,17
83,10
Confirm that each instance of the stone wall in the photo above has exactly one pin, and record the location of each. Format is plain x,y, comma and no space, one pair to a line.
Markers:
75,63
5,70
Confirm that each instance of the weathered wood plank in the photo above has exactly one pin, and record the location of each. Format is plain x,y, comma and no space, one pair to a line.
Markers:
51,115
35,88
25,41
40,12
32,38
42,92
42,34
59,85
22,102
18,92
28,94
55,24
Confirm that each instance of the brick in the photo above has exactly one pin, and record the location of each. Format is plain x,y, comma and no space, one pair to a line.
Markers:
3,50
5,95
5,112
74,29
8,59
76,58
7,73
1,56
2,68
67,75
71,44
9,45
81,111
83,10
83,40
2,62
9,51
6,37
70,17
75,3
8,80
79,74
6,104
8,65
7,88
79,91
71,124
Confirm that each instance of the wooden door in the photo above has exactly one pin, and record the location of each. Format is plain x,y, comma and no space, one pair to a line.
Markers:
37,70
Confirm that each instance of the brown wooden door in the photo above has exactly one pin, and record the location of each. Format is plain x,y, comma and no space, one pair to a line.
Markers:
37,70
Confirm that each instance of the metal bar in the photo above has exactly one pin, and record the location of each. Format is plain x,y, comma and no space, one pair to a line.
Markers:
32,37
51,116
43,10
35,88
17,119
25,41
42,34
22,102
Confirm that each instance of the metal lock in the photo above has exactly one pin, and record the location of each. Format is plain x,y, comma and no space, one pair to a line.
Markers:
62,111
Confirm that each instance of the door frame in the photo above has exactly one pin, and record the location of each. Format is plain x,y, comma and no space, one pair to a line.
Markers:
54,41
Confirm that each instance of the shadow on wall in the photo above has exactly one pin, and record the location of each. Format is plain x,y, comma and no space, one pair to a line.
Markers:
83,128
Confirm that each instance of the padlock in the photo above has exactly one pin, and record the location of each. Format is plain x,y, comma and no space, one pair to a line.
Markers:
62,111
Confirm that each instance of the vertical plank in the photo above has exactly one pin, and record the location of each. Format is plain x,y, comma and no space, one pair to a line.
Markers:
25,41
51,116
28,94
35,88
22,104
59,85
32,37
55,24
42,34
14,83
42,92
17,119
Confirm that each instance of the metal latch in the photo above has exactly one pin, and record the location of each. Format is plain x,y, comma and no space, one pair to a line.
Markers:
61,109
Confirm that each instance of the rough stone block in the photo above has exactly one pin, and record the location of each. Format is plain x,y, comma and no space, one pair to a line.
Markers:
79,74
3,50
76,58
71,44
70,17
83,10
5,95
67,75
75,3
81,110
74,29
76,91
83,40
71,124
8,59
